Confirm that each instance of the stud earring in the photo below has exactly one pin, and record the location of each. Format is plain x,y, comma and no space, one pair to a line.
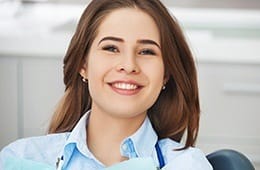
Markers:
84,80
163,87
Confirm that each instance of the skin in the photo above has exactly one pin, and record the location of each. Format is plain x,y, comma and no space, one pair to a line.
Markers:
125,73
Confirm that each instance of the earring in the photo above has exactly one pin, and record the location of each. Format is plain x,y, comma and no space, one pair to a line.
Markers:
164,87
84,80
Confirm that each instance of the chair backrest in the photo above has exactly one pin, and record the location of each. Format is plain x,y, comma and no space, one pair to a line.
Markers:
227,159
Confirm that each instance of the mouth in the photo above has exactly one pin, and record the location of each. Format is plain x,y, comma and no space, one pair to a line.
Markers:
125,88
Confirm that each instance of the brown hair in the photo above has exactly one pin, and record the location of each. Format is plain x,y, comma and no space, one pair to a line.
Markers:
177,107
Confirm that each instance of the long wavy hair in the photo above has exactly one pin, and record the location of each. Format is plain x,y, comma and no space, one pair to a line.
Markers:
177,108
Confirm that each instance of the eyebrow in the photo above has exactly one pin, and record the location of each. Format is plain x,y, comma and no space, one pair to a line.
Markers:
142,41
111,38
147,41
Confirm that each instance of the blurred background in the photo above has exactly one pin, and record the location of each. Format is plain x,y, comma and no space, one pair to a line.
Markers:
224,36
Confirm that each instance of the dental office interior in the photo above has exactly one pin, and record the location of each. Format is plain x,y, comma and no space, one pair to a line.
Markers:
224,37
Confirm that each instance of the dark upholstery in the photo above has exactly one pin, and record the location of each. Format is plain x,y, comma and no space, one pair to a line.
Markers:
227,159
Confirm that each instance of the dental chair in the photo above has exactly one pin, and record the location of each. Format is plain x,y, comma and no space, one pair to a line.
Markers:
227,159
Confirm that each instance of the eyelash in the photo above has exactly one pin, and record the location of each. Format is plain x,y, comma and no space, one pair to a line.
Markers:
114,49
147,52
111,48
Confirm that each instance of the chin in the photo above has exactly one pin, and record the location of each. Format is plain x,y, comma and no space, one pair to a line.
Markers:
126,113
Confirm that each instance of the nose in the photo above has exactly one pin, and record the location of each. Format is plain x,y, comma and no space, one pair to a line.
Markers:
128,64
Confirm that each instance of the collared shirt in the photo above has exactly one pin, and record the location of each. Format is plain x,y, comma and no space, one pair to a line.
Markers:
76,154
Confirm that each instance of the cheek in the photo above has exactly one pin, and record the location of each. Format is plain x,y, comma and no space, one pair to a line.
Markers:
97,70
95,77
155,72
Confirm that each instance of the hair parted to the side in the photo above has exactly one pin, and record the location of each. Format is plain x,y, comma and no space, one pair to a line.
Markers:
177,108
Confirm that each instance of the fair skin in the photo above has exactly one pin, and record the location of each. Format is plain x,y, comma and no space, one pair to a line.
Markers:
125,74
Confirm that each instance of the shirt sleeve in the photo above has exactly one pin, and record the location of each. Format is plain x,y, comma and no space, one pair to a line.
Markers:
41,149
6,153
189,159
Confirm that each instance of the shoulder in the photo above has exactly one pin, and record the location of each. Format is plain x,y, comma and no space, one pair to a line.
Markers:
187,159
41,148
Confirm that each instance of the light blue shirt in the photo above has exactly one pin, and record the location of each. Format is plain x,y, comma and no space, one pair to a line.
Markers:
72,146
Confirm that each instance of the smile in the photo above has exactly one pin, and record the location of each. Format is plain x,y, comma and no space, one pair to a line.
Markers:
125,86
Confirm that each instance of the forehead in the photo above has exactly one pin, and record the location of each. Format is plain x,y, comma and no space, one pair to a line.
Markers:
129,23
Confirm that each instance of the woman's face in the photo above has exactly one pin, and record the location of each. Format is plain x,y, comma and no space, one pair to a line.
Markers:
124,67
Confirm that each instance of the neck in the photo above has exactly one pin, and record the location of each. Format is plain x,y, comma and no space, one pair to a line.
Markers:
105,134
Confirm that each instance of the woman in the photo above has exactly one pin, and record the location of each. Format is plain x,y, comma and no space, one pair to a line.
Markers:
131,91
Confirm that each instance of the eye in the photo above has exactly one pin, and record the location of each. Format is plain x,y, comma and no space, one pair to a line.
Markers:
147,52
110,48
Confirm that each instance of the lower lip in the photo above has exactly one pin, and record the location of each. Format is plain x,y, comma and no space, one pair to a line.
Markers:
126,92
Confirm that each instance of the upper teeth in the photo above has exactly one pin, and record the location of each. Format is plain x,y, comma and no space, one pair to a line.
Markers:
125,86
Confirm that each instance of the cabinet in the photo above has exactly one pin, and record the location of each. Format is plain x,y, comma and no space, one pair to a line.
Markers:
30,89
42,88
230,97
8,100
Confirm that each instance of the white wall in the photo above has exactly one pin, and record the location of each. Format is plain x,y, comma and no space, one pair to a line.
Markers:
249,4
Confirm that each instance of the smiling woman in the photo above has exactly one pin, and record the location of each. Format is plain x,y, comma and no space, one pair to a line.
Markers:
131,92
120,66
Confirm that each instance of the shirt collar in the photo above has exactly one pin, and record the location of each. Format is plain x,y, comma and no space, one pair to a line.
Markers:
77,139
142,141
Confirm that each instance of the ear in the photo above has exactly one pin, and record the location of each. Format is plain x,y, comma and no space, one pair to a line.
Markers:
166,78
83,70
